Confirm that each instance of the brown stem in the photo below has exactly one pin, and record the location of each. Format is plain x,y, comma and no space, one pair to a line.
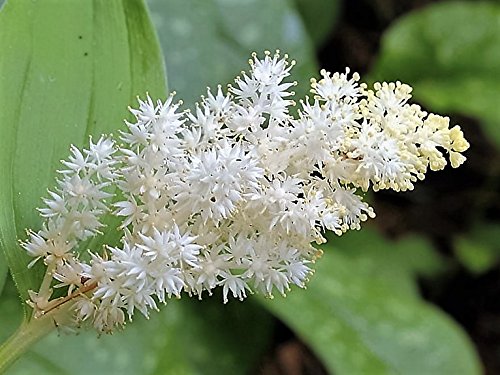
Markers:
62,300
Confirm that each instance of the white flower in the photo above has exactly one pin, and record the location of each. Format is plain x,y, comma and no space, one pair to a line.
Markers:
234,284
233,194
220,104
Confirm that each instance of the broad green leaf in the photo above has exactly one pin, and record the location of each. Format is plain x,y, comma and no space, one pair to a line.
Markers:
186,337
479,250
320,16
449,52
69,69
208,42
403,261
10,311
4,269
360,321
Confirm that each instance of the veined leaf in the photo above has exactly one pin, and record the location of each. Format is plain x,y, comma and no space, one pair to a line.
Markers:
4,270
69,69
358,318
449,52
207,42
187,337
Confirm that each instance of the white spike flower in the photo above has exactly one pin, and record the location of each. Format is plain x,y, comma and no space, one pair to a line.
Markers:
232,195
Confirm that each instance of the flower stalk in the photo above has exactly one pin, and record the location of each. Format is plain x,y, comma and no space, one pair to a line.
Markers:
31,332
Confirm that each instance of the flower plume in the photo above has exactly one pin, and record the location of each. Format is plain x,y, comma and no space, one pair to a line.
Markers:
232,194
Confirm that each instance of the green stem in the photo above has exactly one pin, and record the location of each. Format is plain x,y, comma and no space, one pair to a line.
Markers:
27,335
45,287
47,279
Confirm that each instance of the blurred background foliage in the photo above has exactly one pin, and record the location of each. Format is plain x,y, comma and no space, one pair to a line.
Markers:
417,290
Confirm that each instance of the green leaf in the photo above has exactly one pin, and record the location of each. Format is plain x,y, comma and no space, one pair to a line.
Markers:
208,42
449,52
320,16
186,337
403,261
10,311
479,250
359,320
4,270
71,70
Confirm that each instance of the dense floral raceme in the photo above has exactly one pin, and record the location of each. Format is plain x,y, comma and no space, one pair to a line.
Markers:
232,194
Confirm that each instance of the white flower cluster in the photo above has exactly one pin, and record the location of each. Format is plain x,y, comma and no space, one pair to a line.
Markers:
233,194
